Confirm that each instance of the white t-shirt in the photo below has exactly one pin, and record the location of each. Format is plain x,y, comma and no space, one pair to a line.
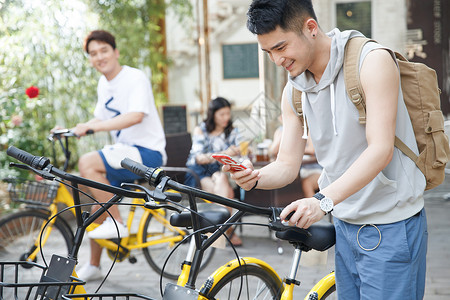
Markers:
130,91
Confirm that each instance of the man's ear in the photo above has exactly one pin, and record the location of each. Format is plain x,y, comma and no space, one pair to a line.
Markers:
116,51
311,27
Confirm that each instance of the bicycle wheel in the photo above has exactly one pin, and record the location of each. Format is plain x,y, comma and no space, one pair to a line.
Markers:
324,289
329,294
157,254
251,281
20,231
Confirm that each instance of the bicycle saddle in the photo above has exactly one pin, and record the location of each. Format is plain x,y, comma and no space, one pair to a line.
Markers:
323,236
207,219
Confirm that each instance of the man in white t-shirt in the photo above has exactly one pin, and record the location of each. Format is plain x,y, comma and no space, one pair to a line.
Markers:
125,108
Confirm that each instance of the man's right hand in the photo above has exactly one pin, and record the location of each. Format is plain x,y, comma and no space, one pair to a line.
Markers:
247,178
81,129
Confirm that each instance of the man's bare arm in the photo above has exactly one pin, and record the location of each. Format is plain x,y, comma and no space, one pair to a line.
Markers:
117,123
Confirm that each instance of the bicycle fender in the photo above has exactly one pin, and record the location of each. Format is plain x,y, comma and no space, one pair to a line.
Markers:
234,264
321,287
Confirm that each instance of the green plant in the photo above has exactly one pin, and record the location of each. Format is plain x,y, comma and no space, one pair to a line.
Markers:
42,46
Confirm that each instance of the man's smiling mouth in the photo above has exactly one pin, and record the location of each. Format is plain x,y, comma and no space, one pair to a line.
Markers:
289,66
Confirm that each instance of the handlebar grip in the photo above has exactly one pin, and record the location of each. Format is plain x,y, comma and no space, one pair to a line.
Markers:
135,167
152,175
37,162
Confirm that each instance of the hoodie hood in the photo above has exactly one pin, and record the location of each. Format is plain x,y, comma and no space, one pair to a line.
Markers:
305,82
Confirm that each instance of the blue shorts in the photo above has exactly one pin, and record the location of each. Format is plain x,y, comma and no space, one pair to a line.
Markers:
381,261
116,177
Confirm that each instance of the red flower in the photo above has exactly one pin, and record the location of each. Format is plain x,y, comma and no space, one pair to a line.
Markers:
32,92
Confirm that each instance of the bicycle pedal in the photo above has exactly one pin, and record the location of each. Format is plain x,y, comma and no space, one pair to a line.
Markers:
132,259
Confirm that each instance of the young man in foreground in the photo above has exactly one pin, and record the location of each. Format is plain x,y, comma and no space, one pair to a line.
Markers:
373,190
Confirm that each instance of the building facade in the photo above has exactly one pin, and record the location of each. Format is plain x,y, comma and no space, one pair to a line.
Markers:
215,55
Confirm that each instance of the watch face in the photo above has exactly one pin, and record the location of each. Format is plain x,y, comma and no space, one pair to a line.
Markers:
326,204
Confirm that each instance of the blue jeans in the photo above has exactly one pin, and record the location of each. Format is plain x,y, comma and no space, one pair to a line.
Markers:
381,261
202,171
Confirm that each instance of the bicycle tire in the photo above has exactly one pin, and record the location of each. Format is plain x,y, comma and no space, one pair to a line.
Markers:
257,283
156,255
324,289
20,230
329,294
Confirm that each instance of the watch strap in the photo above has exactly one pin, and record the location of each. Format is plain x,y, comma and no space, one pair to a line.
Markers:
319,196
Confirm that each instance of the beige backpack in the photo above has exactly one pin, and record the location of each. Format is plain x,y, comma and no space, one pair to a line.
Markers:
421,96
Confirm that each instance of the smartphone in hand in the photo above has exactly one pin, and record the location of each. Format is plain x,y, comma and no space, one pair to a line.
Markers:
227,160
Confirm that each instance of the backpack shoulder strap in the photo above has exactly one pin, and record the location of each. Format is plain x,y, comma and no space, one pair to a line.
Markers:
297,101
353,50
353,85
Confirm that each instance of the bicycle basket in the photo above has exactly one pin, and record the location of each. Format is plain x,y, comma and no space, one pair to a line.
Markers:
109,296
32,192
13,283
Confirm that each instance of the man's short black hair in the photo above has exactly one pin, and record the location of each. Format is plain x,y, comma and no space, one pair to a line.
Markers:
99,35
264,16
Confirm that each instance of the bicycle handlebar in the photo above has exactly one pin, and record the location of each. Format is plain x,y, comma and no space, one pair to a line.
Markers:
155,176
41,163
65,133
35,162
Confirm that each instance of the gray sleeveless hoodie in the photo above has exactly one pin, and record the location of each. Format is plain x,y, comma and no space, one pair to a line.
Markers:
396,193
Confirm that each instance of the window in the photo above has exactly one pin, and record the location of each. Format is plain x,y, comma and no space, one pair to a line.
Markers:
240,61
355,15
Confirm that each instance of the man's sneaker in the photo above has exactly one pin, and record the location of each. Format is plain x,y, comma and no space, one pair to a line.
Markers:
89,272
108,230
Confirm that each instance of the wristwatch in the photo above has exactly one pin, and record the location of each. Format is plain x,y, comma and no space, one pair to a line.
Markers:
326,204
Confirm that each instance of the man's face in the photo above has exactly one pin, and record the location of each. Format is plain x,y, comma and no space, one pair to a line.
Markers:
287,49
103,57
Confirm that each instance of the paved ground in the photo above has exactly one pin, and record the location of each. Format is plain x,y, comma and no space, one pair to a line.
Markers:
139,277
258,243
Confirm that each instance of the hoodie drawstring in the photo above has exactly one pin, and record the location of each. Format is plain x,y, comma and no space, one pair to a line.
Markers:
333,108
305,125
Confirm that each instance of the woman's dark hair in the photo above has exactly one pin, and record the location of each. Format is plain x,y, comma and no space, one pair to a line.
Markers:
214,106
264,16
99,35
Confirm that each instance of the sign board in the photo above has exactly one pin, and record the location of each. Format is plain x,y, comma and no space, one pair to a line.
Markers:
174,118
240,61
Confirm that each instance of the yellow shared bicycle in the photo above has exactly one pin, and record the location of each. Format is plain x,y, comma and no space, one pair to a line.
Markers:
247,277
23,235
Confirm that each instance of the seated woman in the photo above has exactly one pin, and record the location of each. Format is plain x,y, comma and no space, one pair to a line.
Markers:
214,135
